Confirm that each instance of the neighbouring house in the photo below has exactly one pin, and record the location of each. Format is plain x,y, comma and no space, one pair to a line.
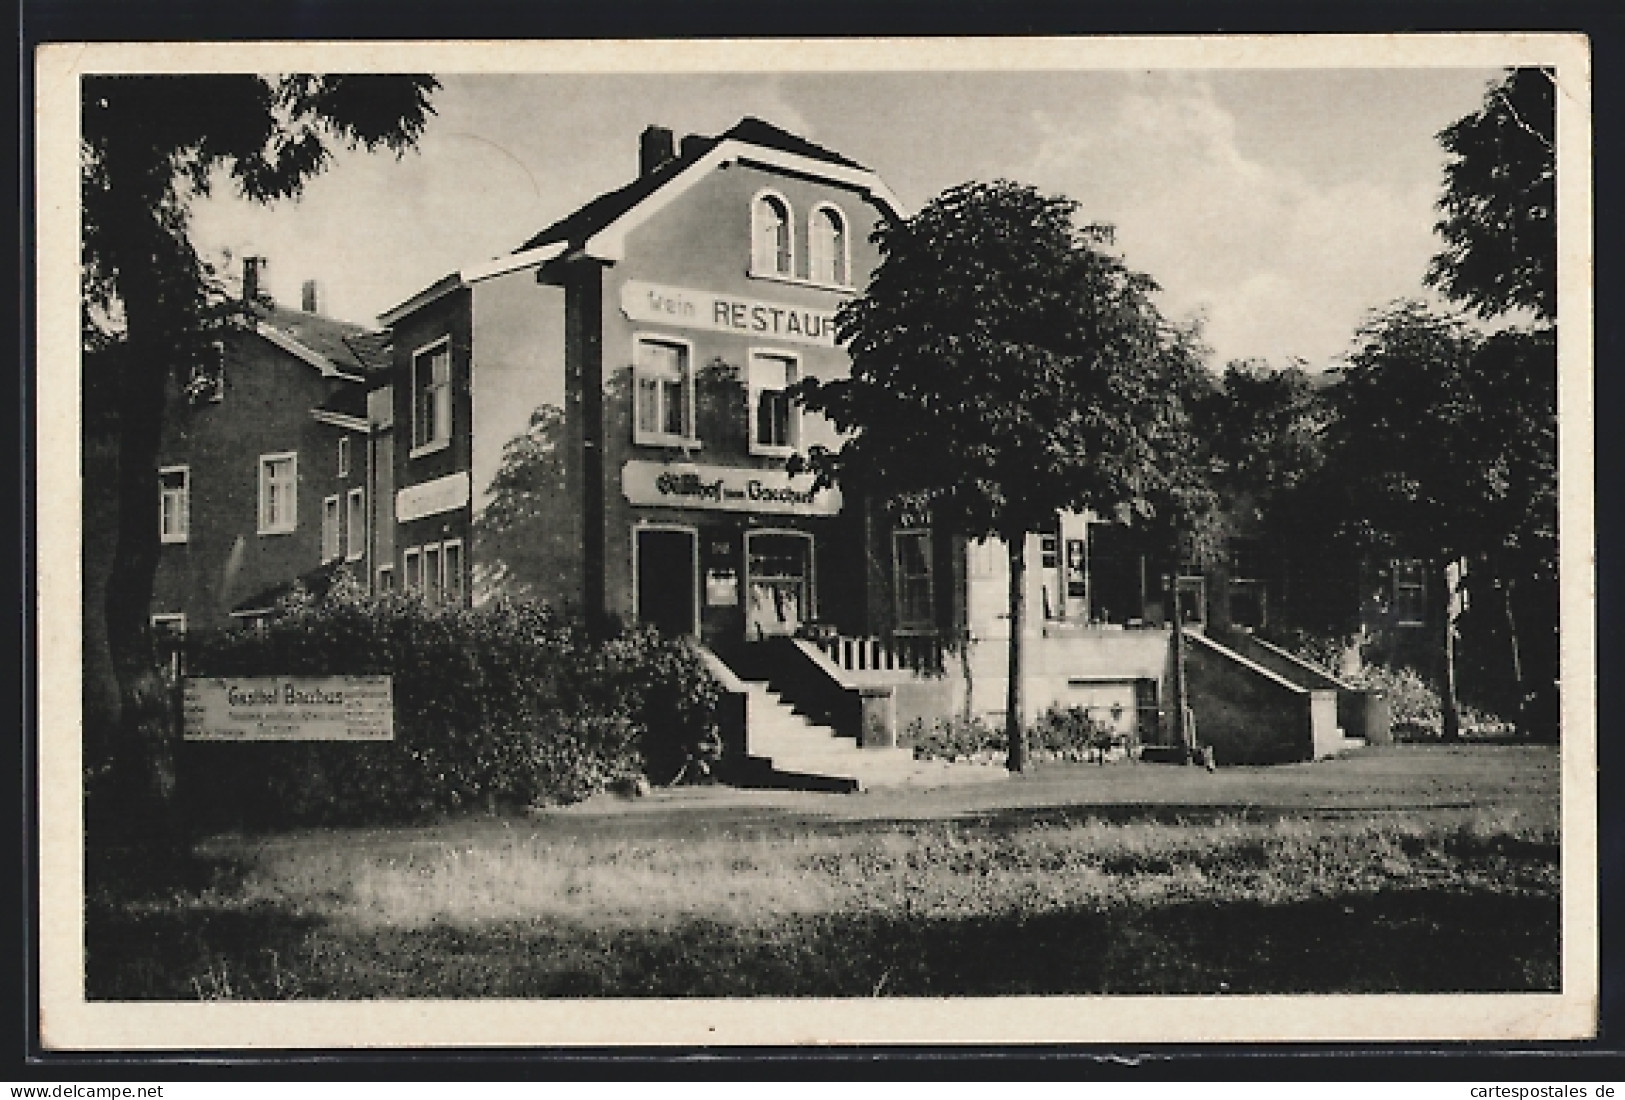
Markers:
265,465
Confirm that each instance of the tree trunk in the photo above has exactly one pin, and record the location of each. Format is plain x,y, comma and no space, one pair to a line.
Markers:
143,759
1015,734
1520,716
969,707
1449,713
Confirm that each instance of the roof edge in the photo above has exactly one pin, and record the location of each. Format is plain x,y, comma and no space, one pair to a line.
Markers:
608,242
300,351
517,261
340,420
438,289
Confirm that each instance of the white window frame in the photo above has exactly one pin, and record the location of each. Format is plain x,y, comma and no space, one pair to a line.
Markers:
278,525
387,570
451,581
174,619
1419,586
688,438
355,524
915,626
443,413
182,528
433,552
761,264
822,269
412,569
331,511
344,456
753,392
810,581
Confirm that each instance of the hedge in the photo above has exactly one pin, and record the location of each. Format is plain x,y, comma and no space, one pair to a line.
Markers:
501,707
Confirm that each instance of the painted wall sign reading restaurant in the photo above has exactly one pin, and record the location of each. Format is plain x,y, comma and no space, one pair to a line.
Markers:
675,305
726,488
289,708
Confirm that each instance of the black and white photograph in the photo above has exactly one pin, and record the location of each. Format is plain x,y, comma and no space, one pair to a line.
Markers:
816,541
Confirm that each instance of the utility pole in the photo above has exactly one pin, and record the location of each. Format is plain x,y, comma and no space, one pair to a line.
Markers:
1181,727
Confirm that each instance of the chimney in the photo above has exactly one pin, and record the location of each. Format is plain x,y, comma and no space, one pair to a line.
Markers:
692,144
654,149
309,297
254,283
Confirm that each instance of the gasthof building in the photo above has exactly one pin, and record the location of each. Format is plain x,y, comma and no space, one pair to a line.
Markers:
601,420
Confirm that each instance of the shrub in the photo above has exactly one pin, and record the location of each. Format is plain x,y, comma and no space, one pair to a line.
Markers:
507,705
1413,705
1071,734
1060,733
955,738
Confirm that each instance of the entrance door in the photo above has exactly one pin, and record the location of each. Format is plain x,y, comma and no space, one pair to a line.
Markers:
666,581
780,598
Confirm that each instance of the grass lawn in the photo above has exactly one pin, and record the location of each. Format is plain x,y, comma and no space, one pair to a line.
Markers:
1411,868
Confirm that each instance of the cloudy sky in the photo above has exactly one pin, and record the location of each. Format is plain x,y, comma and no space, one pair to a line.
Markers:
1278,205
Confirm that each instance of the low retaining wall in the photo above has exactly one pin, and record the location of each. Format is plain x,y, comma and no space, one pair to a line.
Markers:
1082,668
1361,712
1252,715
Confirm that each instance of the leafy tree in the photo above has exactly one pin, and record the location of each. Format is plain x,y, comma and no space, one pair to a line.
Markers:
1265,429
523,535
1499,203
1514,438
1006,366
1402,407
152,145
1445,442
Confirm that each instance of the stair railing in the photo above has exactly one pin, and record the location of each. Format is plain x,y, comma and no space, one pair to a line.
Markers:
916,654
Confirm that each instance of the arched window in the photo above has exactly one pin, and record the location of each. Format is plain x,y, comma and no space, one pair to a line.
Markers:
827,236
770,236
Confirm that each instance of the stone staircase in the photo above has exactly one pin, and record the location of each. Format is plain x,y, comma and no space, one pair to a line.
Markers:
786,749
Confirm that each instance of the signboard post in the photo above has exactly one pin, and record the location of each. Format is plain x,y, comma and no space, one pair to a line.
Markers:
288,708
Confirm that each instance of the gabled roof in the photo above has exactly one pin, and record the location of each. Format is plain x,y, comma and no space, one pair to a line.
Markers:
599,228
579,227
371,349
336,348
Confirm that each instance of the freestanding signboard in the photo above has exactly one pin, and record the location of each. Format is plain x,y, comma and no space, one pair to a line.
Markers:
289,708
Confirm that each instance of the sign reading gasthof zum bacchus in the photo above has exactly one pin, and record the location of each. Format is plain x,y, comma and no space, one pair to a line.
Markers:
289,708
